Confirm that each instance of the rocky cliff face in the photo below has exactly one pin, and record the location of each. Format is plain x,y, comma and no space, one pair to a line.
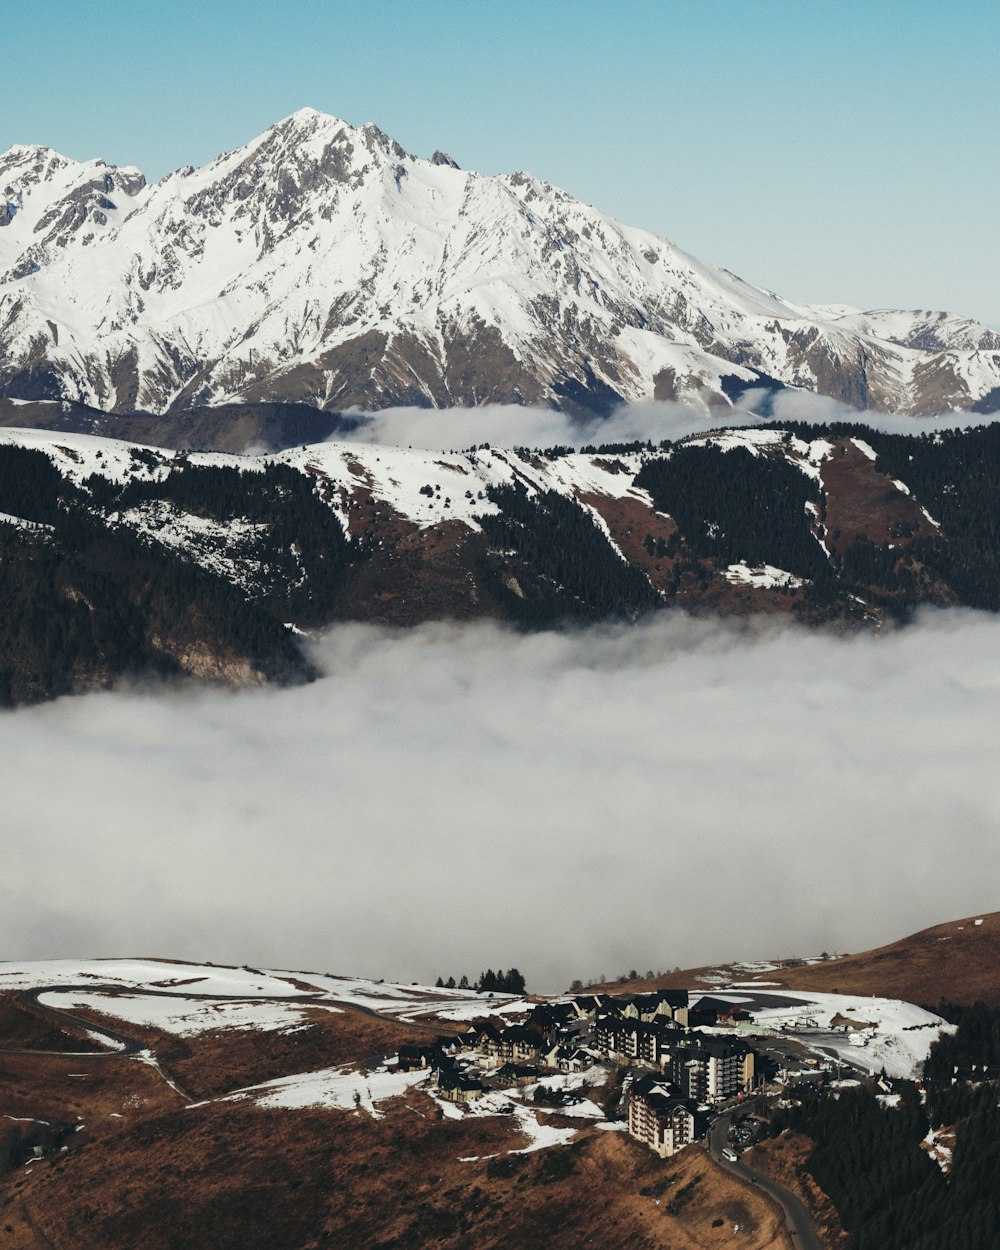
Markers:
322,264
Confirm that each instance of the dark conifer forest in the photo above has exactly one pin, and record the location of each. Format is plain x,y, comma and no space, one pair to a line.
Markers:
867,1155
202,568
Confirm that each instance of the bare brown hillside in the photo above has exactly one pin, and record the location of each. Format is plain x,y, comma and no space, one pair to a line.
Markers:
233,1176
958,961
142,1167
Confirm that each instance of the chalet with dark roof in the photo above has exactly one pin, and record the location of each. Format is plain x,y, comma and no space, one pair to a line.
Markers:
487,1040
515,1074
412,1056
455,1085
589,1004
519,1044
660,1118
568,1058
550,1019
725,1012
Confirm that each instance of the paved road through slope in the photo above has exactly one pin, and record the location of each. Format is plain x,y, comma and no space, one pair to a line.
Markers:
797,1221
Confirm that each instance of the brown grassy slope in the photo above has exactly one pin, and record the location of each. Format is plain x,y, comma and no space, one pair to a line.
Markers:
222,1060
93,1090
215,1063
958,961
233,1176
21,1028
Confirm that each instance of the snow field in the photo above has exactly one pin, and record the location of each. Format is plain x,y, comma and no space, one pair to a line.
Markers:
899,1036
186,1017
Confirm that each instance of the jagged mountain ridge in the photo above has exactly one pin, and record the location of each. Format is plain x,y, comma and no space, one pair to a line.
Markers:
323,264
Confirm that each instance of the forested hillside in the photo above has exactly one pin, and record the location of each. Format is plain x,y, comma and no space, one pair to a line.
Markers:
122,560
869,1152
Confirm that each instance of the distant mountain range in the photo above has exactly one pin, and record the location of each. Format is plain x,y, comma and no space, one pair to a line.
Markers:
322,265
117,559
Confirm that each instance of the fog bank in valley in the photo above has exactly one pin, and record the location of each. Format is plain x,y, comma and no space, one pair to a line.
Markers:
453,798
510,425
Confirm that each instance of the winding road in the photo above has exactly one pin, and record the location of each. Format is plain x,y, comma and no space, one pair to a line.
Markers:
797,1220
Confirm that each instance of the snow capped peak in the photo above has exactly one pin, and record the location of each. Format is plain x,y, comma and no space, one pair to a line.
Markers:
27,163
309,114
323,263
308,121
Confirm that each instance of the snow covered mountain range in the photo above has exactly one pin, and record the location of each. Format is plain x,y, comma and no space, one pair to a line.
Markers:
322,264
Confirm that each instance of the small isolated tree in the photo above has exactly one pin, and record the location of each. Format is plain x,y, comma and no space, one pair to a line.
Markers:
450,983
513,982
576,986
439,984
464,982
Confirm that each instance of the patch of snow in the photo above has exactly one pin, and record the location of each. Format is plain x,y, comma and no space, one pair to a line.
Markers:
540,1135
146,974
938,1151
335,1088
763,576
408,1002
900,1039
185,1017
8,518
865,448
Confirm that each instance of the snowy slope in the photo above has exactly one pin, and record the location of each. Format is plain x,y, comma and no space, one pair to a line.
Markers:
187,998
322,263
185,1017
895,1035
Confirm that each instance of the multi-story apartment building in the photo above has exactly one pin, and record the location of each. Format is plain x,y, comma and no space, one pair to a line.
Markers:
659,1118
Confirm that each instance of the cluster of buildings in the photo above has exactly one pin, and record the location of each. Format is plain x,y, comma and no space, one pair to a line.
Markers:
689,1070
668,1104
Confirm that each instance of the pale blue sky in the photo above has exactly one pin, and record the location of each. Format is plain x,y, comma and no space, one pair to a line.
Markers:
833,151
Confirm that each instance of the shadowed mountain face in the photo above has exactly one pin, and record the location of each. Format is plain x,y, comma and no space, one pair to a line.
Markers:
117,559
323,265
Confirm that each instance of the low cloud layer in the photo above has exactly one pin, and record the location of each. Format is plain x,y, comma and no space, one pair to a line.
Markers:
453,798
509,425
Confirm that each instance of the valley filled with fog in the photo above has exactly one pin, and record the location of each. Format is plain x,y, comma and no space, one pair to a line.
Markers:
451,798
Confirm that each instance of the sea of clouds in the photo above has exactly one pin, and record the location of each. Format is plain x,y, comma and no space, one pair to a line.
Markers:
510,425
456,797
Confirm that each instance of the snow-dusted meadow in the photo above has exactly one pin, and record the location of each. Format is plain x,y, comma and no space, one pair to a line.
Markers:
190,999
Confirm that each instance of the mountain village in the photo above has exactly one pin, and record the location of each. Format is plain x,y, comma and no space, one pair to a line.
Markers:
678,1059
690,1101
